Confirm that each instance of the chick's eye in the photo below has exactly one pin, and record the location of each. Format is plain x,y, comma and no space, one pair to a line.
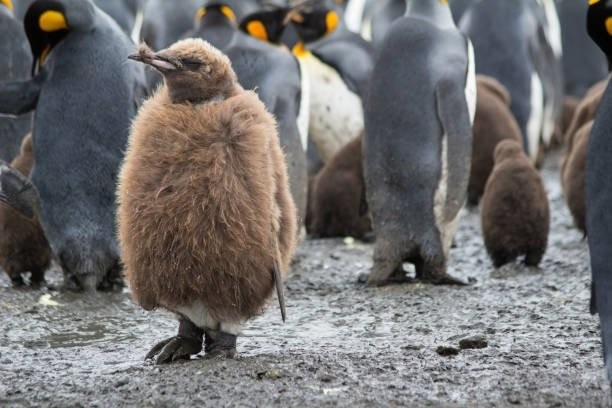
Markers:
191,64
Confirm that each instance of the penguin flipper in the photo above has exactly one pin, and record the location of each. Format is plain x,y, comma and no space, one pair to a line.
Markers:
455,120
18,192
19,97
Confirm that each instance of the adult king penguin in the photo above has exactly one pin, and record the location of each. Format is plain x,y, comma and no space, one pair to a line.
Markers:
583,63
599,186
512,45
14,65
85,98
418,142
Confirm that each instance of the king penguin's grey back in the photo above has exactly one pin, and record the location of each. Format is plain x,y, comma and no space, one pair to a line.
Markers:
403,144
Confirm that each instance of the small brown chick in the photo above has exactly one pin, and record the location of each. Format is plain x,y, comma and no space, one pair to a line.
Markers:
338,202
585,111
23,245
572,179
515,212
206,221
493,123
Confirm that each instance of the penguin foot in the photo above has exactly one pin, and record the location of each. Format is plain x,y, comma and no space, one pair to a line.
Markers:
17,281
398,276
180,347
443,279
219,344
37,278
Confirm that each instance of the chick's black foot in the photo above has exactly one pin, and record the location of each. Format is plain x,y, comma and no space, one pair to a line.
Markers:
443,279
219,344
180,347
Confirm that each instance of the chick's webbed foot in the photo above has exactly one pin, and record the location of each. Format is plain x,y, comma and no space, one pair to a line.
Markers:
219,344
187,342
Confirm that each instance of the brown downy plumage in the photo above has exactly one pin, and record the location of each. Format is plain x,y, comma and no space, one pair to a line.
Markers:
570,104
572,177
584,114
23,245
515,212
205,210
337,201
585,111
493,123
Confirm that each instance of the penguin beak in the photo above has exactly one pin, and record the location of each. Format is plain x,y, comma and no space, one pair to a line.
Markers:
294,16
157,61
136,57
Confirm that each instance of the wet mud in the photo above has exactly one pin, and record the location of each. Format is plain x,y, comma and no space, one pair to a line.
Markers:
517,336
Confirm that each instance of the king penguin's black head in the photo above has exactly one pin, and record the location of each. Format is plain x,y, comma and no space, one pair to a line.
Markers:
48,22
216,11
314,24
266,25
599,26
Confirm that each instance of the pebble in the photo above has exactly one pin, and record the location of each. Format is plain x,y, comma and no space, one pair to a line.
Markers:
447,351
473,342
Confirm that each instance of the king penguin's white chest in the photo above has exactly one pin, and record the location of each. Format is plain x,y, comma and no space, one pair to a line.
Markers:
336,113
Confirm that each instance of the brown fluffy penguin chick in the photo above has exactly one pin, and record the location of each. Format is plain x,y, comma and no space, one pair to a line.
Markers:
573,175
23,245
207,225
585,111
338,200
493,123
515,213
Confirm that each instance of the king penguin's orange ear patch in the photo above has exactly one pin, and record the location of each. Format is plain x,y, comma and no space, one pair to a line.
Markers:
228,12
331,21
609,25
51,21
257,29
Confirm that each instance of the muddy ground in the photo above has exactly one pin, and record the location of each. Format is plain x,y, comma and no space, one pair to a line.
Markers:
343,344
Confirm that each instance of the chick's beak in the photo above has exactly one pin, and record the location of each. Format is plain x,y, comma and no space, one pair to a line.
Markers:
157,61
136,57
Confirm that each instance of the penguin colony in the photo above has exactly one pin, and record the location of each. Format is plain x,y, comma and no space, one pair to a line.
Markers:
190,179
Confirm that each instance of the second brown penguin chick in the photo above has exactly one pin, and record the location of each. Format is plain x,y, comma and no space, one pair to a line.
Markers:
205,215
515,212
585,111
23,245
337,199
572,175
